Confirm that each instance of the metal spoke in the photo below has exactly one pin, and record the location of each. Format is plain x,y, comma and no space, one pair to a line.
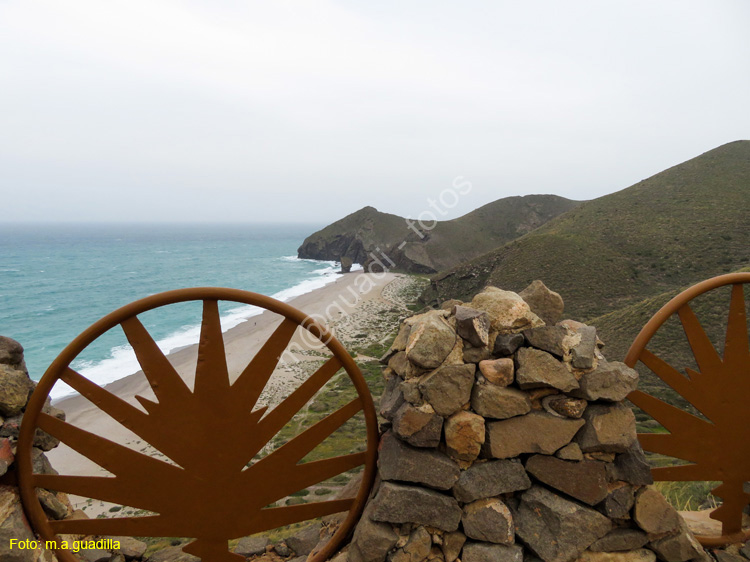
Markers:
168,442
111,456
211,373
673,419
719,389
211,432
253,379
705,354
285,411
164,380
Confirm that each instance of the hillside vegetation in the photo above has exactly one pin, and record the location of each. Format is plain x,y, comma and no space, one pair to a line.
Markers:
671,230
437,246
618,329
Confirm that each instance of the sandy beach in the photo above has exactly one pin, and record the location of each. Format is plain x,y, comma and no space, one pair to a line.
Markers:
352,307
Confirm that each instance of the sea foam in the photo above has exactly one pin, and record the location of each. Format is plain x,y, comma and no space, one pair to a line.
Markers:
122,361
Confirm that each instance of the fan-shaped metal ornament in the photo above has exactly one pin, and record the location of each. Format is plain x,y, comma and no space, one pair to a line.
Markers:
211,493
717,449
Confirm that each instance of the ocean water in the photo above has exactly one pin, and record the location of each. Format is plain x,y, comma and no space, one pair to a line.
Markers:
56,280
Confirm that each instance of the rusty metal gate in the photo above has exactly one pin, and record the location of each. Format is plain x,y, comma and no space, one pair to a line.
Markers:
210,491
717,445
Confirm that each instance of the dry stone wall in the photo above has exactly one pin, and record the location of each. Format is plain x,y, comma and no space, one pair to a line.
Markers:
15,389
508,440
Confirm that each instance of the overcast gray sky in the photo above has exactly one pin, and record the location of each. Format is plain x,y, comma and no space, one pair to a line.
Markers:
306,111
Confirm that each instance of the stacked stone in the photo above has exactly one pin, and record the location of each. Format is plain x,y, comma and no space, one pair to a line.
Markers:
15,390
17,387
508,439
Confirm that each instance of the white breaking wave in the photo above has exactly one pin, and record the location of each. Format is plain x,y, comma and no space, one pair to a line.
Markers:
123,362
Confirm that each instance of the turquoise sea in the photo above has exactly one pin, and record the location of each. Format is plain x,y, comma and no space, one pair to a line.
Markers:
56,280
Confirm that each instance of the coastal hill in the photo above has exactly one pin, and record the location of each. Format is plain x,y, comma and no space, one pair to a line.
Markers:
434,246
685,224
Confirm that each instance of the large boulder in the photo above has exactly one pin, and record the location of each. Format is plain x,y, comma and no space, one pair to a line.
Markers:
472,325
464,435
401,462
609,381
551,339
556,529
583,354
507,311
418,426
507,344
653,513
619,501
610,428
585,480
430,340
491,478
372,540
680,547
488,520
500,372
498,402
447,389
632,467
303,541
536,432
536,368
16,386
397,503
546,304
11,353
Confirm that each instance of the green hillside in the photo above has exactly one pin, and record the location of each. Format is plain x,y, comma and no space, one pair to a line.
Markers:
619,328
671,230
445,245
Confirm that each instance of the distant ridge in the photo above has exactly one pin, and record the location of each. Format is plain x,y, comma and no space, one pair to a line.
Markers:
446,245
678,227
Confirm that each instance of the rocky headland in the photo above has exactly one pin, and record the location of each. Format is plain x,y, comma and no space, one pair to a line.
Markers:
431,245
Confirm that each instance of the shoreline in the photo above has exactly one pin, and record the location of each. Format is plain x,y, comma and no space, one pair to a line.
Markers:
233,317
348,318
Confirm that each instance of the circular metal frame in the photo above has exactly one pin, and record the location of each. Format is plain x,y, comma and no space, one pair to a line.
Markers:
713,395
60,366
